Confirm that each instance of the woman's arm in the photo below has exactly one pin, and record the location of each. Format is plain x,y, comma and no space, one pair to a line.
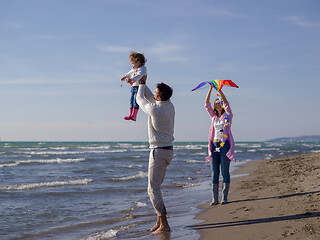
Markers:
208,95
224,99
208,104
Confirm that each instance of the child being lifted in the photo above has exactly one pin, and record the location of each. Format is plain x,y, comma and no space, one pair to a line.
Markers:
138,70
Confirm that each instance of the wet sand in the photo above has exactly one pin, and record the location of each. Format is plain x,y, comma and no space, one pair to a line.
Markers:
280,199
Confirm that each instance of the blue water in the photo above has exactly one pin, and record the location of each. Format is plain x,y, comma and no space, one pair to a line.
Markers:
97,190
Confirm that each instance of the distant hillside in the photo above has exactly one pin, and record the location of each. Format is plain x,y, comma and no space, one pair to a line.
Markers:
314,138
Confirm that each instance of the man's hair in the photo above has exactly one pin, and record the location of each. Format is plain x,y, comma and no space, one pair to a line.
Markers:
135,56
165,92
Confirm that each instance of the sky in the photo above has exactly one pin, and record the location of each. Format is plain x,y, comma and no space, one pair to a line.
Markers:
61,63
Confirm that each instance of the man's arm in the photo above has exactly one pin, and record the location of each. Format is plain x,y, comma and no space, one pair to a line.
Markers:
144,104
147,93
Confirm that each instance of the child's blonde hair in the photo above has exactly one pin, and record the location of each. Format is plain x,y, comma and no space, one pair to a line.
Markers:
135,57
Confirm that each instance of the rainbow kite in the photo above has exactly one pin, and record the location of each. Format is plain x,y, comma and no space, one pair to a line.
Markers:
217,84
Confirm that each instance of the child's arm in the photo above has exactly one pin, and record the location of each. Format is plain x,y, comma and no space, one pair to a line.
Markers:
141,71
126,77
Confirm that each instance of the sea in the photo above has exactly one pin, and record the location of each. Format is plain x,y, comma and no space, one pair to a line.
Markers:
98,190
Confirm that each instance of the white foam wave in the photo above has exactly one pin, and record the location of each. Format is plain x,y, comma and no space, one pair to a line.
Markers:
140,204
125,145
140,146
42,161
268,156
44,184
269,149
59,148
250,145
72,152
102,235
30,149
186,184
136,176
201,154
141,150
95,147
134,165
251,150
190,147
193,161
111,233
315,151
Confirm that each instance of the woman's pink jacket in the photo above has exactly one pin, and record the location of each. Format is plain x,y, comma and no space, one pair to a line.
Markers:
230,153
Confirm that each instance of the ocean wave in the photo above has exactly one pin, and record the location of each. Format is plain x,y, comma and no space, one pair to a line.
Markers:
31,186
190,147
269,149
132,177
251,150
111,233
141,150
193,161
134,165
125,145
72,152
42,161
250,145
59,148
268,156
201,154
315,151
186,184
95,147
140,204
30,149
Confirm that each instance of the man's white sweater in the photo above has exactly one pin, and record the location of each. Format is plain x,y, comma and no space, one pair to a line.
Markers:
161,118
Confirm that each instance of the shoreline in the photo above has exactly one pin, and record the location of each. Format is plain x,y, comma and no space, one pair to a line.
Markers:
278,199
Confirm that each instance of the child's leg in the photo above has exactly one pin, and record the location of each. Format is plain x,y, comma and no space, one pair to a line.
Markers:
134,103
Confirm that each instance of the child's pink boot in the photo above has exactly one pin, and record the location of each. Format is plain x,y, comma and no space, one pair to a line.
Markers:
134,114
130,115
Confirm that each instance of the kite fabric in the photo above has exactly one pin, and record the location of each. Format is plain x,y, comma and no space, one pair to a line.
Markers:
217,84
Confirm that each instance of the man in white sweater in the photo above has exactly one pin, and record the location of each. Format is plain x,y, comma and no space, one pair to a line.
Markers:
160,129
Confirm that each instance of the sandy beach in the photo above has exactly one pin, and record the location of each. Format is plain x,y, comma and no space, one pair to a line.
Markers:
279,199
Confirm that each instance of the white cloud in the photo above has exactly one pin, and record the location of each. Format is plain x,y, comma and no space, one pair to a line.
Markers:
168,52
115,49
47,37
299,21
11,25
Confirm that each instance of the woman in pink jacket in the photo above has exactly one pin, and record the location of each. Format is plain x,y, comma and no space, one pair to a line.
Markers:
221,145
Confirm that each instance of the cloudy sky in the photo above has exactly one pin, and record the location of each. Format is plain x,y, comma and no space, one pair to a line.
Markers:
61,64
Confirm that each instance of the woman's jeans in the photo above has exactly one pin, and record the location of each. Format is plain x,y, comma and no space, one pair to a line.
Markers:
133,102
219,158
